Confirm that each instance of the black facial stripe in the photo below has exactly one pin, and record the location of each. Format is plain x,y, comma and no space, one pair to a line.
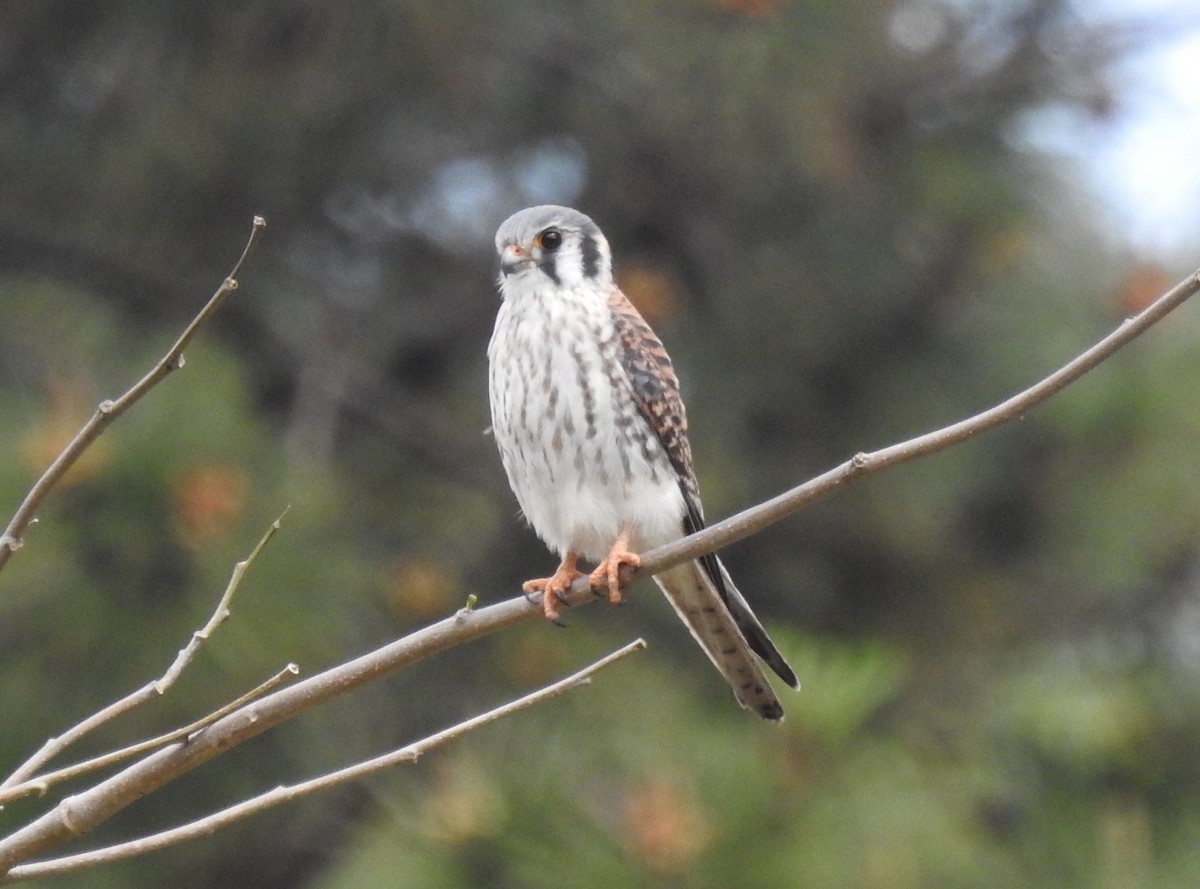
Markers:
547,266
589,250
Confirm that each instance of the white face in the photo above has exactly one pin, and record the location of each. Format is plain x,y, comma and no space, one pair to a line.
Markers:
552,245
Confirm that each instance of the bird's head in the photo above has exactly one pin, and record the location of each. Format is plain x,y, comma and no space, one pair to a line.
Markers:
552,244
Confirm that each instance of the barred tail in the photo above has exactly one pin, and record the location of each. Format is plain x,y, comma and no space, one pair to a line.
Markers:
717,629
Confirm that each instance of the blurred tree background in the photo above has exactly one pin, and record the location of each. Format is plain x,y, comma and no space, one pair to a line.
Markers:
828,212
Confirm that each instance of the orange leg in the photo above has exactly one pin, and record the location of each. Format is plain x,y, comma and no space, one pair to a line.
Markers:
608,573
555,585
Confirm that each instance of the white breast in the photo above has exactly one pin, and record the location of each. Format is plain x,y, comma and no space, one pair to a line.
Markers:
582,461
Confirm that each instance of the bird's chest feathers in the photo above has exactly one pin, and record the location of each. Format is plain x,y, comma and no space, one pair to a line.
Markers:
574,443
556,373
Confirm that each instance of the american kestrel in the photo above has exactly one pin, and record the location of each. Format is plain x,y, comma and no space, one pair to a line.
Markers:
592,432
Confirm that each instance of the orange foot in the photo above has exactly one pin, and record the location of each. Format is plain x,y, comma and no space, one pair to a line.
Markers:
555,585
608,573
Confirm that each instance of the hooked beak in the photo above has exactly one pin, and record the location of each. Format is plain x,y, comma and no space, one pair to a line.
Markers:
514,258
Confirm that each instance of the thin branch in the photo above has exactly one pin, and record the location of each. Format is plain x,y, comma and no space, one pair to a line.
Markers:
86,810
40,784
80,813
285,794
221,614
149,691
13,536
861,465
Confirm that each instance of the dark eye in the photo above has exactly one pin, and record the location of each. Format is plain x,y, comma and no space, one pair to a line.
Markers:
551,239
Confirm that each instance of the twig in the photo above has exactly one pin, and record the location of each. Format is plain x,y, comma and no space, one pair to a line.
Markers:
38,785
96,805
284,794
80,813
13,536
221,614
149,691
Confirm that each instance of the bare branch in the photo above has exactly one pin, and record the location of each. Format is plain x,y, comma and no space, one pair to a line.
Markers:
754,519
80,813
279,795
55,746
86,810
221,614
13,536
39,785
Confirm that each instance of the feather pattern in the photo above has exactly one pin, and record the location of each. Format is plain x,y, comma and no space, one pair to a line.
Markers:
592,431
701,591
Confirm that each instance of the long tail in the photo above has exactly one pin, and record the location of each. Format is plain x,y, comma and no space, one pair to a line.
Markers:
729,633
760,642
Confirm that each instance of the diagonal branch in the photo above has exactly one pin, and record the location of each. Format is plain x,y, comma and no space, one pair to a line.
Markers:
286,794
149,691
752,520
89,808
13,536
40,784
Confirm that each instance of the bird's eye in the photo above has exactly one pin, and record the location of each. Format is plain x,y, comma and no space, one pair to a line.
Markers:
551,239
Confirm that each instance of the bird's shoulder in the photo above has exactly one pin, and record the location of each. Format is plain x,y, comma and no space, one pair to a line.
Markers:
653,382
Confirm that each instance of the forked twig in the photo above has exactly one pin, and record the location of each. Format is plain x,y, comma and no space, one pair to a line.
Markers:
284,794
97,804
20,783
13,536
40,784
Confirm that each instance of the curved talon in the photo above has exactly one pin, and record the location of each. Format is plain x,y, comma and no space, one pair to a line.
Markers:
607,576
553,587
535,595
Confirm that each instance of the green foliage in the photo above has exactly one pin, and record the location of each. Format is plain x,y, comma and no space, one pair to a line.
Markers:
840,242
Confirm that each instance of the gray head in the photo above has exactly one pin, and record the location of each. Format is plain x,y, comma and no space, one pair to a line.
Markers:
552,243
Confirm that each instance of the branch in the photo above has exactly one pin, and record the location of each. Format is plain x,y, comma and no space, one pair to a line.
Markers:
84,811
18,784
13,536
39,785
285,794
861,465
91,807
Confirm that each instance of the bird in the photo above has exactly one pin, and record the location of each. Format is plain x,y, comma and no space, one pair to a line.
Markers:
592,432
